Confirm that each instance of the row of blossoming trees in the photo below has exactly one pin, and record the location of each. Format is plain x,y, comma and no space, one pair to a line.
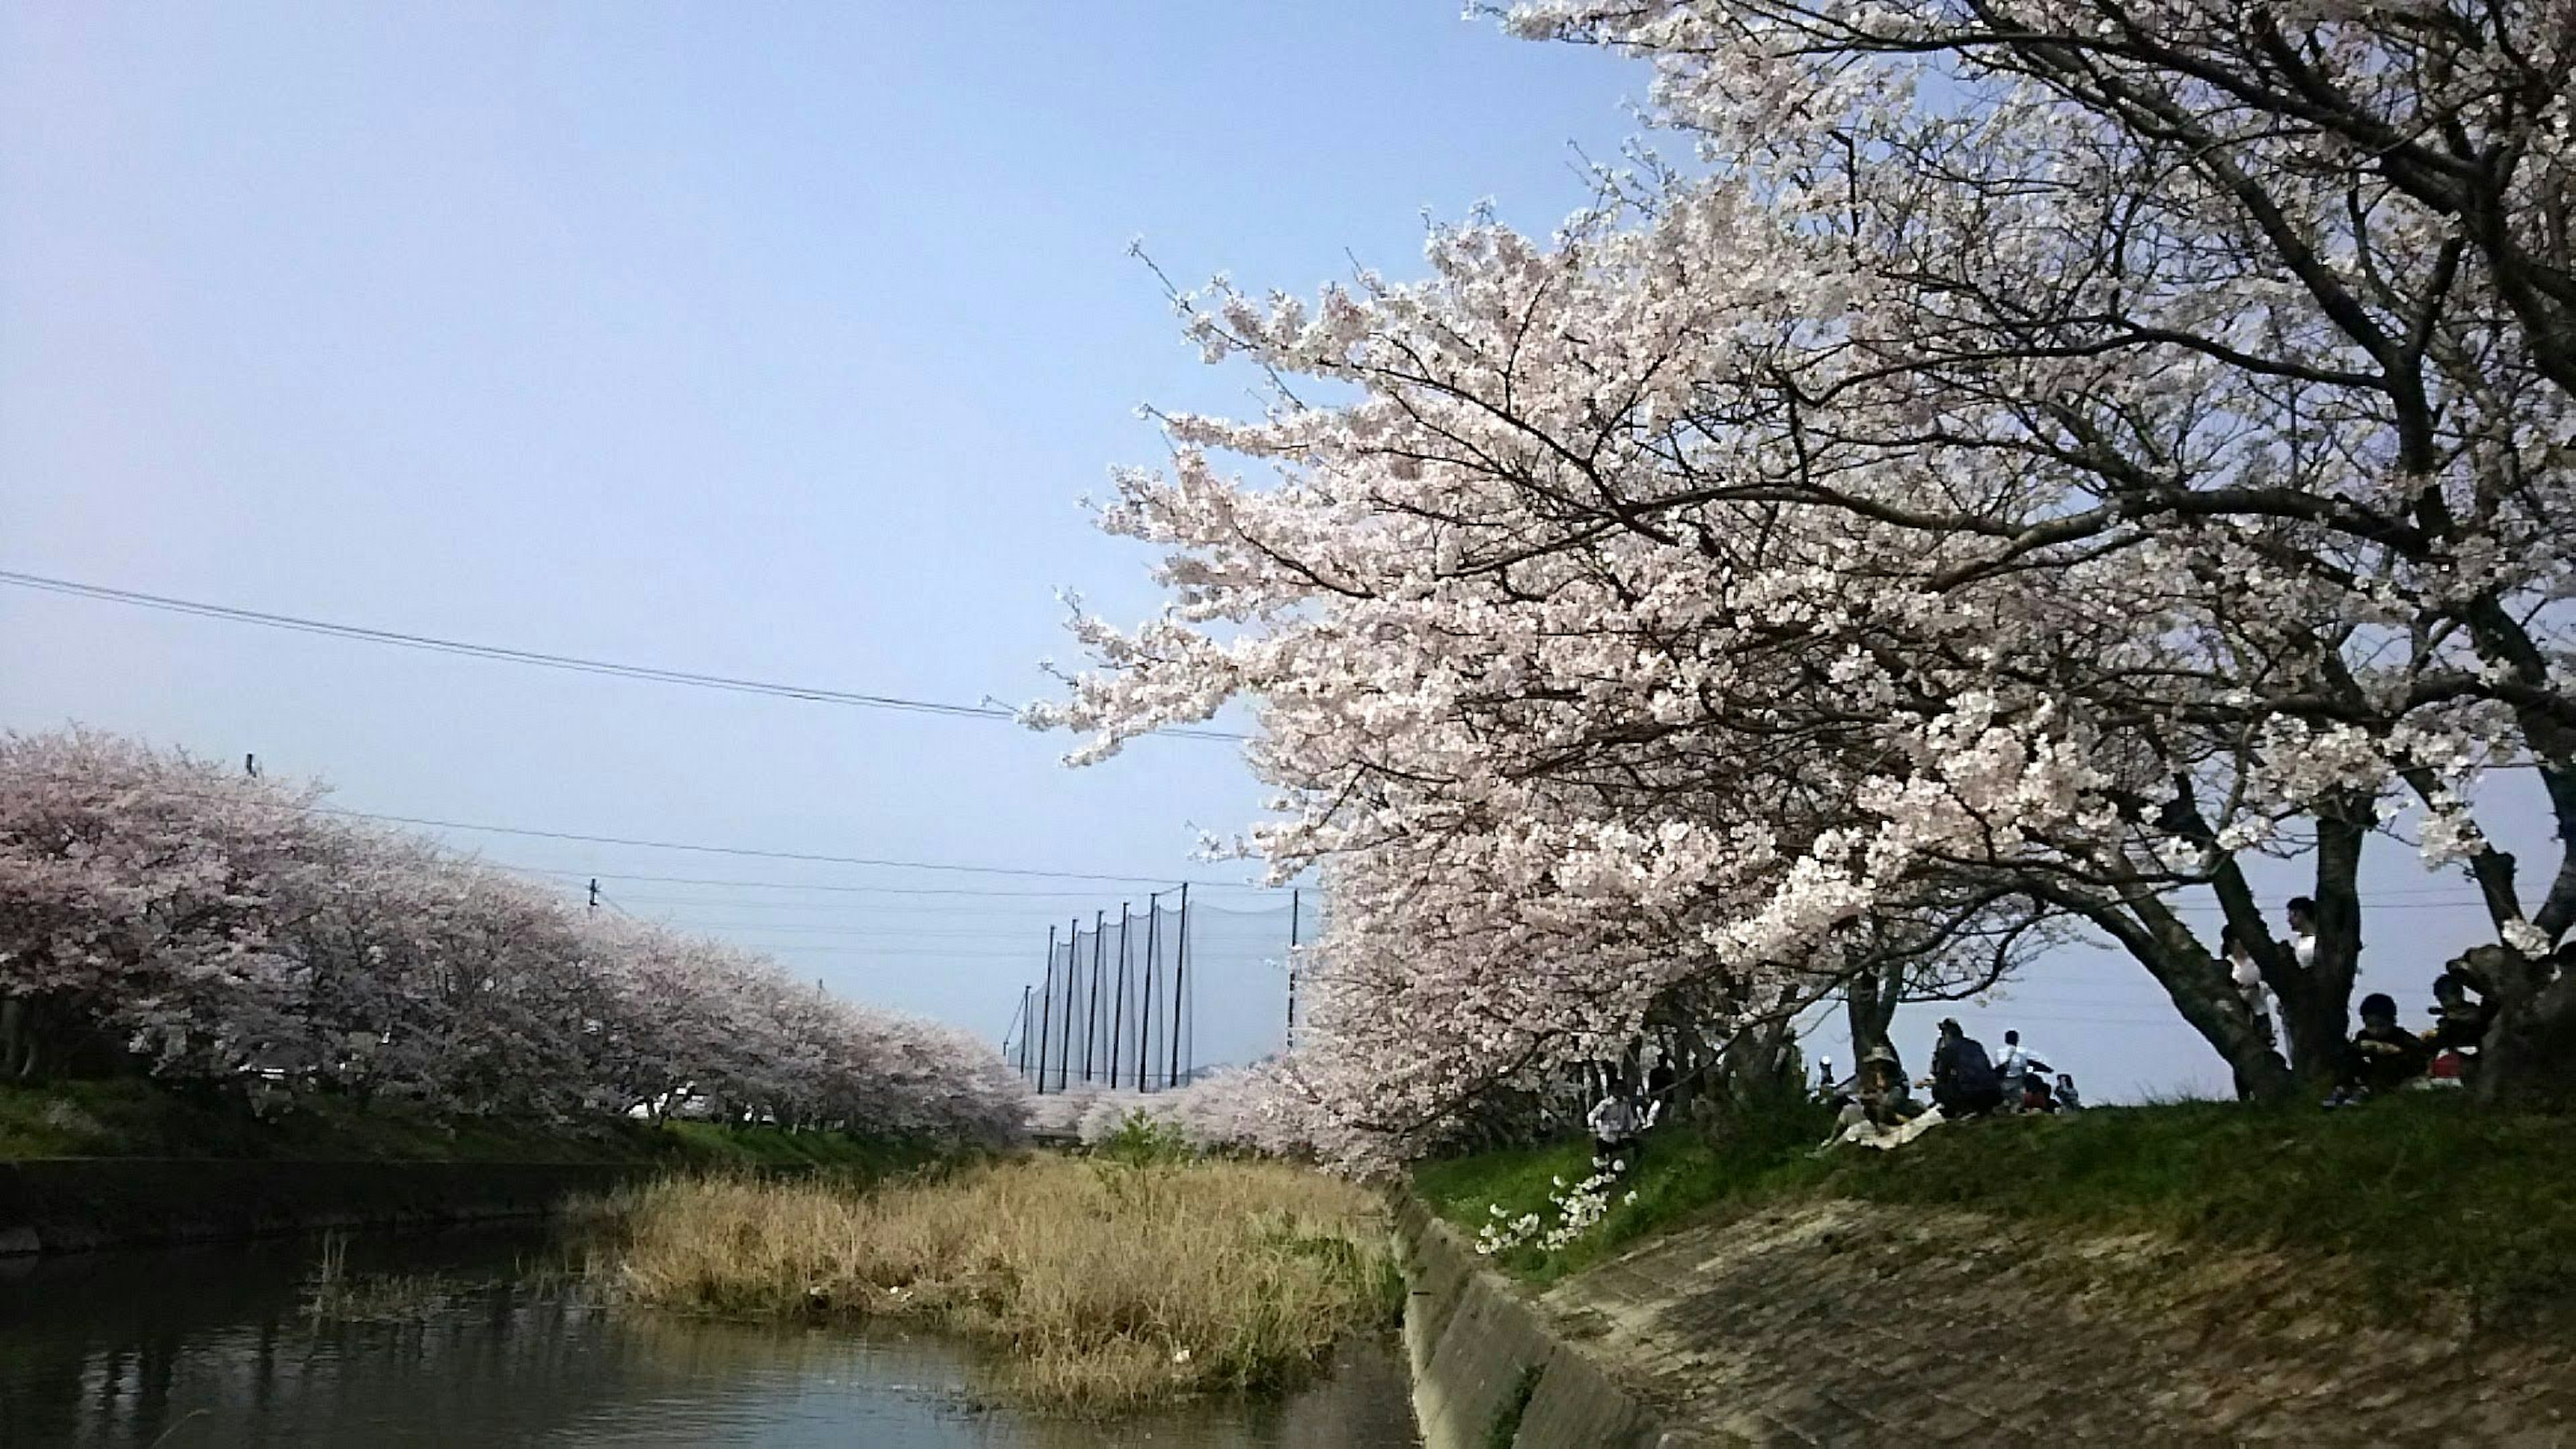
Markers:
2028,459
158,909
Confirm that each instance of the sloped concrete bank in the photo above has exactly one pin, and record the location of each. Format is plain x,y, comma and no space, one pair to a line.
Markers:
1489,1369
69,1204
1852,1323
1847,1322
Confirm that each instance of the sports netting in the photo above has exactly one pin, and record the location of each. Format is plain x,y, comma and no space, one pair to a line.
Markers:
1160,996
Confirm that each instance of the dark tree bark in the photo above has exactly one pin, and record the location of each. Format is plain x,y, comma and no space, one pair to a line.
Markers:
2201,989
2316,1000
1869,1007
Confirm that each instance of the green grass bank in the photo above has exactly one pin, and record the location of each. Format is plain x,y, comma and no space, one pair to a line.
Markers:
2424,1203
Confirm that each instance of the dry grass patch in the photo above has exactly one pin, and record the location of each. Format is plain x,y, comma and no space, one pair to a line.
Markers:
1110,1286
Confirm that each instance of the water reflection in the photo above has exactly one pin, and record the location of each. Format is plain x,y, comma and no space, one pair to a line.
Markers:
214,1346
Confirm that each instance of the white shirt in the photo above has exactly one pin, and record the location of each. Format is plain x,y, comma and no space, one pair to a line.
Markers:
1612,1118
2305,948
2015,1061
2249,977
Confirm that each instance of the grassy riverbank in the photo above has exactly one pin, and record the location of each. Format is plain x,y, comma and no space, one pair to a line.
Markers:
134,1118
1110,1286
2421,1198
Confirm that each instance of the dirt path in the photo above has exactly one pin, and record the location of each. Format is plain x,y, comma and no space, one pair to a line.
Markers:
1850,1323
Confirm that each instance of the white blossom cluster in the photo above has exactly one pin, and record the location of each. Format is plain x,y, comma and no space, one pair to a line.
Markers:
220,928
1243,1110
1577,1209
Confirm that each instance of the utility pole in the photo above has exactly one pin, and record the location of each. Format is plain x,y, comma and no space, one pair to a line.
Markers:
1091,1009
1024,1031
1046,1011
1118,998
1180,977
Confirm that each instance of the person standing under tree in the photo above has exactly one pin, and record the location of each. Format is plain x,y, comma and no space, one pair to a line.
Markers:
1616,1128
2248,975
2302,912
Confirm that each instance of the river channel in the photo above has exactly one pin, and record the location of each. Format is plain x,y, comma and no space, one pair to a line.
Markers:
472,1339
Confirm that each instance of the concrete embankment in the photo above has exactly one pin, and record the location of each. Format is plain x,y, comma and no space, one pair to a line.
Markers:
1490,1368
1844,1322
67,1204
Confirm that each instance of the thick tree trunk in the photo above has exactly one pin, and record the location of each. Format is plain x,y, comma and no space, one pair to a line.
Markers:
1758,1062
17,1058
2528,1057
2201,989
1869,1007
2316,1000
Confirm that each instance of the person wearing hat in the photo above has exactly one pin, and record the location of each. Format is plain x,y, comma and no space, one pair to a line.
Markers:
1878,1099
1884,1095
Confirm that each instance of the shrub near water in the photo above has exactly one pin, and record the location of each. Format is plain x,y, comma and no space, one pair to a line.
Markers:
1111,1285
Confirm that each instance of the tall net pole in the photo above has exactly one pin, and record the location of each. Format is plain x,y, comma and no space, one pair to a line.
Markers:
1145,999
1046,1011
1091,1005
1180,978
1118,998
1064,1053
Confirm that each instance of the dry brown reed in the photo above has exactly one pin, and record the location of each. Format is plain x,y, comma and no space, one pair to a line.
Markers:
1108,1286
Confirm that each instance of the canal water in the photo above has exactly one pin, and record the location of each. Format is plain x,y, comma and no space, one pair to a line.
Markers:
473,1339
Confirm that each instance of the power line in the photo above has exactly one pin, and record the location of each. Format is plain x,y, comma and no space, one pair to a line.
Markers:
1042,909
890,932
739,850
940,954
542,659
870,890
642,844
2363,899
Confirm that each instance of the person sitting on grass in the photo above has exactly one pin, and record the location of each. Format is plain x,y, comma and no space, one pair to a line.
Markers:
2015,1067
2459,1023
1879,1101
2067,1100
2382,1056
1884,1095
1964,1081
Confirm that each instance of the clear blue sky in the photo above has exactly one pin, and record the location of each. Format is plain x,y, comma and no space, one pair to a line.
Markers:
775,342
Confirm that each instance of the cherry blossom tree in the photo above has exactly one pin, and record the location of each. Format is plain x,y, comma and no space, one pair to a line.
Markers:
1252,1110
217,929
2030,457
2284,291
141,894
